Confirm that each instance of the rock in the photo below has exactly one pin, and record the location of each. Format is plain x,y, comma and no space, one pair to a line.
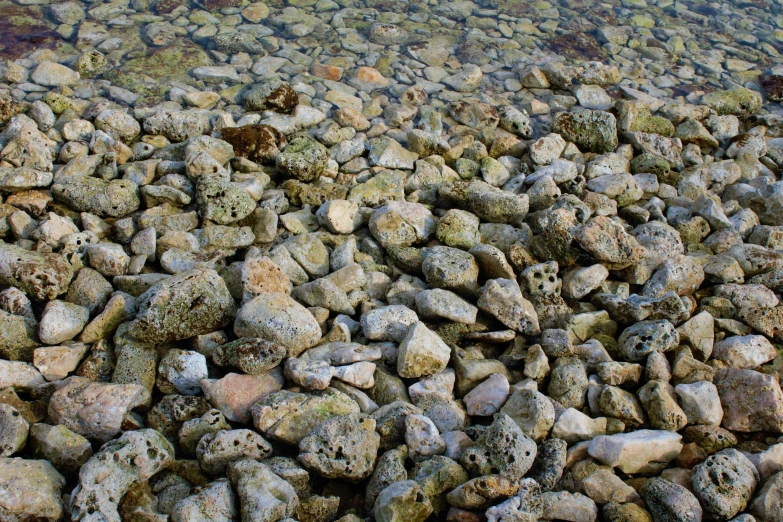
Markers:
273,95
212,502
120,464
638,451
13,430
479,492
289,416
503,448
42,276
668,501
767,504
341,447
235,394
739,101
645,337
304,158
399,223
422,437
503,299
181,371
216,451
532,411
443,303
31,490
744,351
94,410
66,450
113,198
61,321
402,500
487,398
388,153
52,74
252,355
603,487
388,323
608,243
724,483
421,352
751,401
255,142
592,131
277,318
222,201
700,402
190,303
569,506
262,494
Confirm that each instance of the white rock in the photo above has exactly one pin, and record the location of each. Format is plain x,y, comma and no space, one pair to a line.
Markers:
643,451
744,351
61,321
19,375
768,462
700,402
574,426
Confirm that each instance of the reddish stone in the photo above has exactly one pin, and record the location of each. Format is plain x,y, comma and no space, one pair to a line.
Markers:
255,142
327,72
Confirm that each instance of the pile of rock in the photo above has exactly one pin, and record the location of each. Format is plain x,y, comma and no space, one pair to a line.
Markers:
329,302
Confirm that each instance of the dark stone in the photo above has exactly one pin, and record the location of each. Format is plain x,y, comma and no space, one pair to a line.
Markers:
773,87
255,142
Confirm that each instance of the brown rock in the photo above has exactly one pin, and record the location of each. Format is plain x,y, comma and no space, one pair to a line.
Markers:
255,142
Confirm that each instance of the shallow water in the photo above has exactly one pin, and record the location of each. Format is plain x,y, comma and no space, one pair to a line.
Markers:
148,45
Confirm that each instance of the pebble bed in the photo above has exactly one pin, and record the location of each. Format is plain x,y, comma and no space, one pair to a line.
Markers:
355,260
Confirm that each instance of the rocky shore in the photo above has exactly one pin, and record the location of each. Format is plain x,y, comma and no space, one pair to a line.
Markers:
353,260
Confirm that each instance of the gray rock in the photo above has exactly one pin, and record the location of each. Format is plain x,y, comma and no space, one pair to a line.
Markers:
262,494
213,502
503,448
304,159
402,501
670,502
724,483
184,305
342,447
279,319
31,490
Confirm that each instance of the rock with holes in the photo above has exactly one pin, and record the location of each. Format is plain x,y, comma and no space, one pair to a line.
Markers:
216,451
402,501
184,305
114,198
724,483
645,337
120,465
502,449
39,275
222,201
341,447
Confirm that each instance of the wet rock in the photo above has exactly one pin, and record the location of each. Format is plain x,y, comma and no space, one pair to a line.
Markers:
593,131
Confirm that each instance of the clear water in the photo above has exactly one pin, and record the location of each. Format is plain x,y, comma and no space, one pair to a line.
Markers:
680,47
